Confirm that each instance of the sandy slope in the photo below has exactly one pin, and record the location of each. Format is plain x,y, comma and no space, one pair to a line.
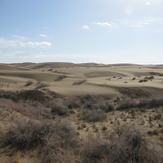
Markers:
80,79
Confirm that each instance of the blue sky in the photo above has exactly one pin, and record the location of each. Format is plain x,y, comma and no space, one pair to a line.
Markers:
102,31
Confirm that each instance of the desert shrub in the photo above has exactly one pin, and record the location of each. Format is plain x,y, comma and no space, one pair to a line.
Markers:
60,77
149,77
153,103
71,102
92,115
60,156
32,95
31,110
61,146
129,146
143,80
59,108
27,135
98,105
8,95
79,82
40,85
93,103
105,106
150,103
28,83
25,95
126,104
23,136
94,150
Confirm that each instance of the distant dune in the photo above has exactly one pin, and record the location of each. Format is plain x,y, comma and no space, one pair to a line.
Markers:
86,78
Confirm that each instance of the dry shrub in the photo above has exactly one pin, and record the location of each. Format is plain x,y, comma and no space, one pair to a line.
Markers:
150,103
25,95
61,77
28,83
40,85
143,80
149,77
31,110
94,150
60,156
126,103
94,108
32,95
71,102
94,102
8,95
129,103
58,108
23,136
79,82
128,147
92,115
62,145
27,135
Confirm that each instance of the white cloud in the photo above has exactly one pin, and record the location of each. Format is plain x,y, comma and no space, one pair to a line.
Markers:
36,44
18,43
103,24
43,35
86,27
106,24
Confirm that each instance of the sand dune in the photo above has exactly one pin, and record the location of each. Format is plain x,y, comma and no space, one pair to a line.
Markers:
10,67
87,78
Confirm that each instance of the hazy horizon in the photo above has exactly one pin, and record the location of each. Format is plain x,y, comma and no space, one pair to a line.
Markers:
83,31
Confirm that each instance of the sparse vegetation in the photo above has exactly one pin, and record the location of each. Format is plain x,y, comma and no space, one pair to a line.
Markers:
142,80
92,115
160,74
79,82
59,108
61,77
149,77
129,146
41,85
55,140
29,82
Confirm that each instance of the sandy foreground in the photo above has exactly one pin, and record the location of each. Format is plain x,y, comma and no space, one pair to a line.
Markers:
82,79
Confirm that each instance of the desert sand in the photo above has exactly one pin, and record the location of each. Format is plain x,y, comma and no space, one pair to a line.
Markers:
82,79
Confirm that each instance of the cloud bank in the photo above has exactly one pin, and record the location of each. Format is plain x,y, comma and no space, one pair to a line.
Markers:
19,43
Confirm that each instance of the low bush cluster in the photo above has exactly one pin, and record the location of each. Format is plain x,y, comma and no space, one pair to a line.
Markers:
129,103
27,135
94,108
58,142
92,115
40,85
129,146
59,108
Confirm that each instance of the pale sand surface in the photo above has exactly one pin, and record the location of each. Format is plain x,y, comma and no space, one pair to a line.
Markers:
97,79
